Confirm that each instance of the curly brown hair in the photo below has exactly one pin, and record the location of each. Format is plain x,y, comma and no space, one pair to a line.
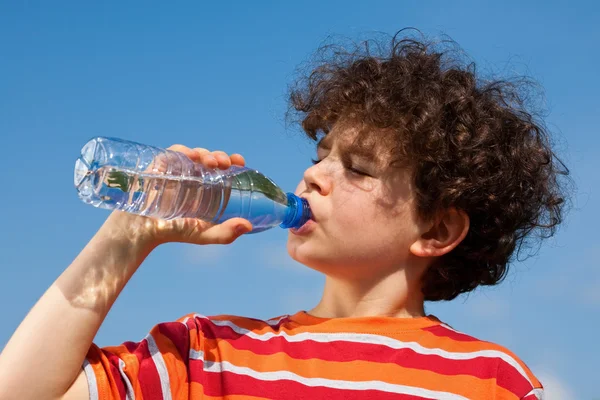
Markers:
470,143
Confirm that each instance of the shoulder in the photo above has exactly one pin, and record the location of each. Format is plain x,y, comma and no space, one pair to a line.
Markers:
237,323
500,363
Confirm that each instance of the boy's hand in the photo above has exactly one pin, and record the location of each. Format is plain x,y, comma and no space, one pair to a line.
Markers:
154,231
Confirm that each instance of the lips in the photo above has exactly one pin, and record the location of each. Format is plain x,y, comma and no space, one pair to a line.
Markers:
305,229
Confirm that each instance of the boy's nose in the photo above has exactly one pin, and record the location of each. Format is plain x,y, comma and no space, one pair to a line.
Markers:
317,179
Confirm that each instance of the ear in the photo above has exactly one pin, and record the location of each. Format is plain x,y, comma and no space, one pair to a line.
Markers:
443,235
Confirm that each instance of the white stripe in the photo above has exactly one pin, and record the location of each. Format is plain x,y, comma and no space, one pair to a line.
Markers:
159,362
91,380
373,339
537,392
129,393
218,367
196,355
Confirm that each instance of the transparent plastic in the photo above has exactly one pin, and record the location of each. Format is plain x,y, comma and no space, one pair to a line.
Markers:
122,175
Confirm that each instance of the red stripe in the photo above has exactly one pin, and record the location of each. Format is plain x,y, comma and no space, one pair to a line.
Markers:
442,331
148,377
179,335
115,373
229,383
196,371
131,346
510,379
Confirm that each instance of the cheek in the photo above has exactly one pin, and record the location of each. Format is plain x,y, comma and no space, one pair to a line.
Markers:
364,219
356,217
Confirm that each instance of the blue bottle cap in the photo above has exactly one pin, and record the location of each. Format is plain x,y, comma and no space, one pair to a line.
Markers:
298,212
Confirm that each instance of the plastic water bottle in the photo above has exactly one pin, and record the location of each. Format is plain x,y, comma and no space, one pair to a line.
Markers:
122,175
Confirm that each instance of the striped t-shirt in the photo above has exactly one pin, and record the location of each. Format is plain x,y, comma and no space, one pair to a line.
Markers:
304,357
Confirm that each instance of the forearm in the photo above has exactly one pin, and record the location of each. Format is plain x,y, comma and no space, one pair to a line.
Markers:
46,352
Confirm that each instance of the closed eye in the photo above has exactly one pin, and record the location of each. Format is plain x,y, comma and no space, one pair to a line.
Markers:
355,171
351,169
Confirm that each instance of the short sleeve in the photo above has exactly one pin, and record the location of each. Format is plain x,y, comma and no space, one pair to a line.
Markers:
516,378
158,364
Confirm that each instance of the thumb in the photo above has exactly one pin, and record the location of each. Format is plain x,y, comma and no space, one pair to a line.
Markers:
226,232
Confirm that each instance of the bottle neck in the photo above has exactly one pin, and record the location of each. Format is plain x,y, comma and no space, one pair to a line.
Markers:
298,212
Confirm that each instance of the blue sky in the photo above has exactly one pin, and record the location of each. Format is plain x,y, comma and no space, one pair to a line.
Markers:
215,75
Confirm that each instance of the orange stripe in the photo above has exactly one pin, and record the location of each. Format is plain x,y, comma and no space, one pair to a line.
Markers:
429,340
98,362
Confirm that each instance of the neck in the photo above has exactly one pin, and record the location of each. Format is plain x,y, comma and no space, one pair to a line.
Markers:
392,296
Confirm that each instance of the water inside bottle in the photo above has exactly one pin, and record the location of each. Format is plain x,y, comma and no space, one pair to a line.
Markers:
246,194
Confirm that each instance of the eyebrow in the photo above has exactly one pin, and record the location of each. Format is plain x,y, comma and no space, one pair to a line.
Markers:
325,144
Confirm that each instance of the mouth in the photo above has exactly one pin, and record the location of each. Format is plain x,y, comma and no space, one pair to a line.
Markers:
312,214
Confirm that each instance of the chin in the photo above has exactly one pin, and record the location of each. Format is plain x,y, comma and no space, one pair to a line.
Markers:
307,257
292,249
300,253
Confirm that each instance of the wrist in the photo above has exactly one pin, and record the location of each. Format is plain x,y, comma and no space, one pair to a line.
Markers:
105,265
138,232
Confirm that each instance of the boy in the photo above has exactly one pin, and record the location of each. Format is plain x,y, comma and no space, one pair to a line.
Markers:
424,183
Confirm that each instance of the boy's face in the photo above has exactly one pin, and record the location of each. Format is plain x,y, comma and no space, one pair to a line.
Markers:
364,224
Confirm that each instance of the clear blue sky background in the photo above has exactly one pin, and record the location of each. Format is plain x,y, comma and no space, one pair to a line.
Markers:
215,75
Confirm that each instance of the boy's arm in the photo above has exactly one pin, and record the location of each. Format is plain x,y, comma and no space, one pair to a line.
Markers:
44,357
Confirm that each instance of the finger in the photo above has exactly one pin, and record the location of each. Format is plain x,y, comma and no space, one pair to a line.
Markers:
223,159
180,148
207,158
159,163
224,233
237,159
199,152
192,154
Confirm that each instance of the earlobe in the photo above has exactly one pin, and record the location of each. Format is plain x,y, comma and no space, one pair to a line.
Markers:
444,234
